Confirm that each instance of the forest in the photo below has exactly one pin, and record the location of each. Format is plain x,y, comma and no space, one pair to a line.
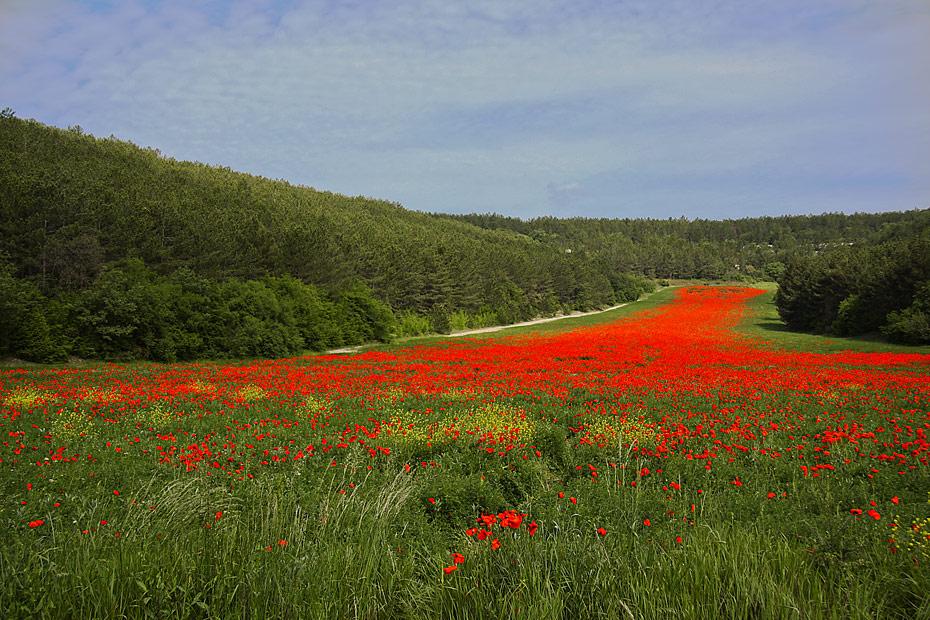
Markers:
110,250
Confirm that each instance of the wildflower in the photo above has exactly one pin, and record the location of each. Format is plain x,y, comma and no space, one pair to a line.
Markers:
601,531
495,544
458,558
450,569
647,522
36,523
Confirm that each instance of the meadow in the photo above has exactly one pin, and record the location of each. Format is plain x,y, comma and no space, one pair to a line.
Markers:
673,458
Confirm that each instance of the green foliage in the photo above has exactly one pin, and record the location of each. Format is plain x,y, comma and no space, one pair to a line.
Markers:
24,329
439,319
854,290
912,324
412,324
363,317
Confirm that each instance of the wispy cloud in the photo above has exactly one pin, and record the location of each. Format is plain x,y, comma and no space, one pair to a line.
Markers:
645,108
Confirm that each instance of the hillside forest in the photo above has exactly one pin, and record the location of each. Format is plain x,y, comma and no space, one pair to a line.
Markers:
109,250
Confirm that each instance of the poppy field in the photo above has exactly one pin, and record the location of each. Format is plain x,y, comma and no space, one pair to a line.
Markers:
660,465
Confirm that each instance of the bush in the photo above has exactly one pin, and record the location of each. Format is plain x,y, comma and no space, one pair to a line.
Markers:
364,318
439,319
412,324
459,321
911,325
24,330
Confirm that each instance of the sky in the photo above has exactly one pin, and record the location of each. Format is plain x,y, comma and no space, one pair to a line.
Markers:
598,108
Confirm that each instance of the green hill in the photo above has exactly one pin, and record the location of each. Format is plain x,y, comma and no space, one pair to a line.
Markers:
112,250
74,208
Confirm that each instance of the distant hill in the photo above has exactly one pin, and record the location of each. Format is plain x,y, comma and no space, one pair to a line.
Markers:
74,207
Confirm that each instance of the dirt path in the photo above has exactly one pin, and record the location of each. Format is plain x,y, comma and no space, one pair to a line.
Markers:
548,319
497,328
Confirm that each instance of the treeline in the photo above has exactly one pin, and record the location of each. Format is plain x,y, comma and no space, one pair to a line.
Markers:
131,312
74,208
742,249
861,289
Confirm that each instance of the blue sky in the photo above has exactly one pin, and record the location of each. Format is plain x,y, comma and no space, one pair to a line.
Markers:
722,108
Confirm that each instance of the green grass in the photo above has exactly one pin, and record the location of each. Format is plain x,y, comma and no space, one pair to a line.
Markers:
762,321
306,539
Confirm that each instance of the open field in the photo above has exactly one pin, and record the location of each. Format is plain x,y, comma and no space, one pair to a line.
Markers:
657,461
